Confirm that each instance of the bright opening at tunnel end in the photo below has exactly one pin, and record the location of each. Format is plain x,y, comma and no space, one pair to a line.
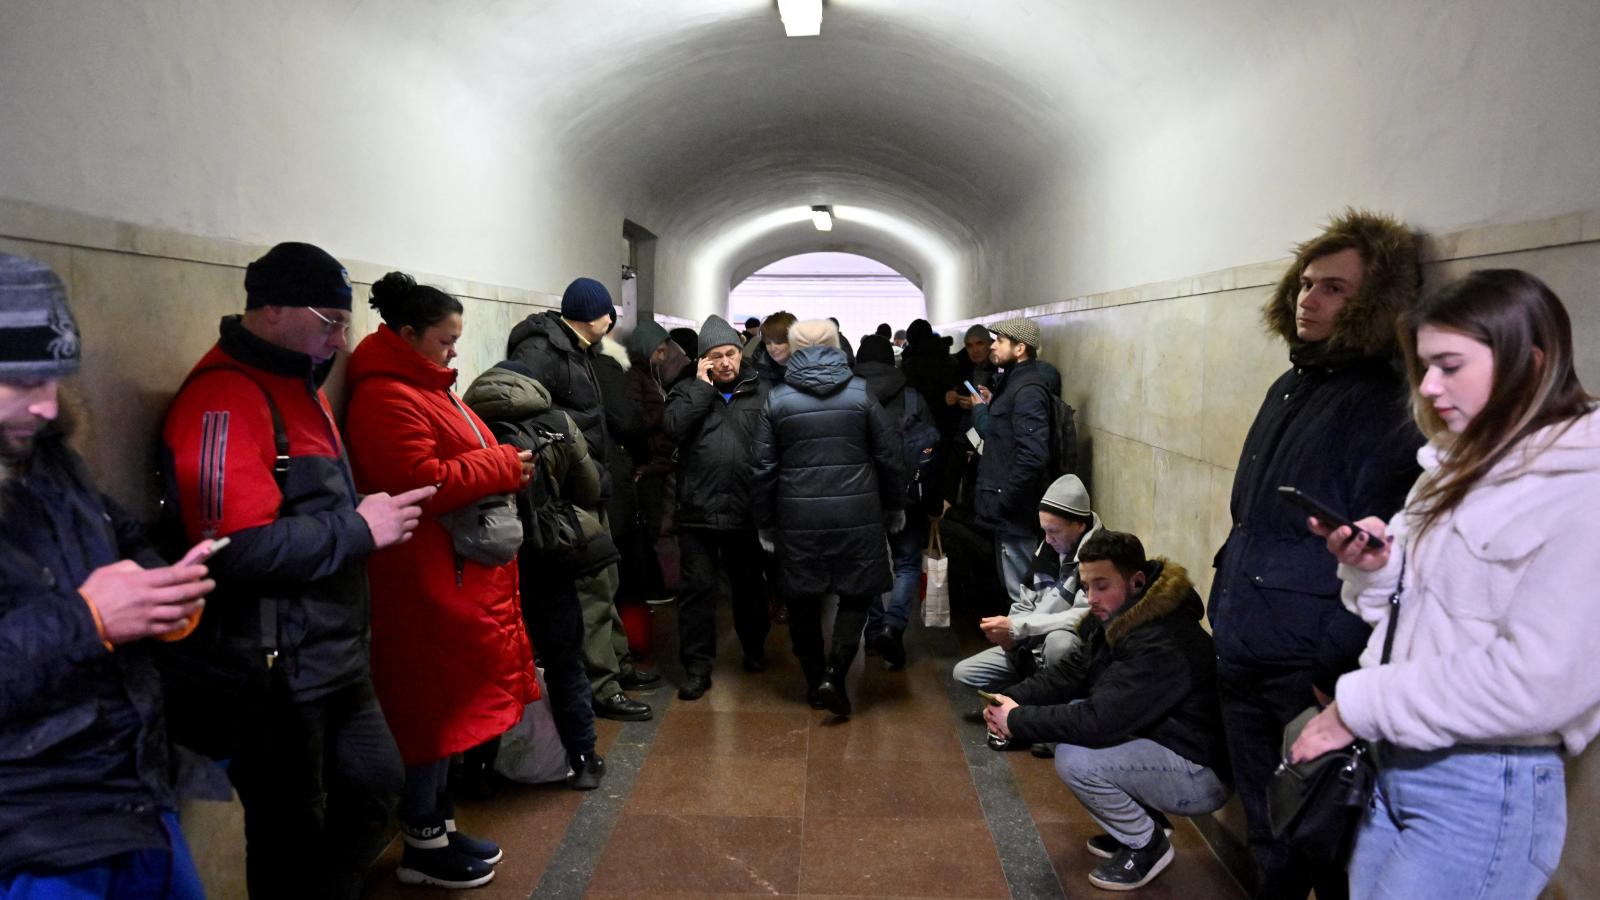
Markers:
801,18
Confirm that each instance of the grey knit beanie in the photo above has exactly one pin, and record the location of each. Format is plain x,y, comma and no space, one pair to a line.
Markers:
1066,497
716,332
38,336
646,337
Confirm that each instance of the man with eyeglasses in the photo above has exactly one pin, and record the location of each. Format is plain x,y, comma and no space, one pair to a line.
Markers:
285,686
712,417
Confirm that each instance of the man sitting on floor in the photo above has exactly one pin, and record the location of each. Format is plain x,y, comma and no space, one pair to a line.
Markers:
1133,710
1042,626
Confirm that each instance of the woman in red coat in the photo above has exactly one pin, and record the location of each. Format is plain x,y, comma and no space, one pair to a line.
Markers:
450,657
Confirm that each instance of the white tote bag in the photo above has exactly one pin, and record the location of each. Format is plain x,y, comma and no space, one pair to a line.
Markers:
936,571
531,752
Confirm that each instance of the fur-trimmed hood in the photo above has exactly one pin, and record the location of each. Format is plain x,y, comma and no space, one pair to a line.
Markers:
1168,592
1366,325
616,351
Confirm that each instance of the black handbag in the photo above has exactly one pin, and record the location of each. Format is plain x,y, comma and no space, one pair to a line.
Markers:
1315,806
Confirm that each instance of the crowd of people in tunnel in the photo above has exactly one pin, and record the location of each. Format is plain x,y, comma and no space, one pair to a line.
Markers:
356,610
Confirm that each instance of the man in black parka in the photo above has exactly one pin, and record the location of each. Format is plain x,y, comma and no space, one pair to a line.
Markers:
1014,468
712,418
828,484
1336,426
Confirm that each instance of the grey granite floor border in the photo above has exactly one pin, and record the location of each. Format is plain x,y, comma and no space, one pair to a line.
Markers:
1023,858
573,864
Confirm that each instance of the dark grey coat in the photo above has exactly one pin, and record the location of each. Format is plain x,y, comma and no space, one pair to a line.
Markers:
827,468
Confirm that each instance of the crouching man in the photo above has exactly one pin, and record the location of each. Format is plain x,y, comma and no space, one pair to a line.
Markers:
1133,711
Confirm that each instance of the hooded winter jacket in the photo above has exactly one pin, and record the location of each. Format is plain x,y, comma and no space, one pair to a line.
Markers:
451,661
303,547
519,412
1149,672
1497,625
559,361
716,460
1336,426
1014,469
827,468
83,751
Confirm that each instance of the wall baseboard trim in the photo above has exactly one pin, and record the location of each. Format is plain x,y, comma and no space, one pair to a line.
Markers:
1467,243
24,221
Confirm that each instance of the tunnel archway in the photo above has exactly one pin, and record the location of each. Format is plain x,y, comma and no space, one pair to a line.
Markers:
856,289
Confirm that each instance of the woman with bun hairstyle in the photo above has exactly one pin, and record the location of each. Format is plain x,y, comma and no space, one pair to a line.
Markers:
1490,678
450,657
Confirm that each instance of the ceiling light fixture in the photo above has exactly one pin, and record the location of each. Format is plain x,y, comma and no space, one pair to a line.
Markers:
822,217
801,18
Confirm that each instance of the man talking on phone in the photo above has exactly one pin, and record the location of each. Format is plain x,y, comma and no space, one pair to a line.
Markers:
254,456
1335,426
712,417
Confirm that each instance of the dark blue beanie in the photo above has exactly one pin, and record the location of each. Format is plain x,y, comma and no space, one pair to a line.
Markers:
294,274
586,300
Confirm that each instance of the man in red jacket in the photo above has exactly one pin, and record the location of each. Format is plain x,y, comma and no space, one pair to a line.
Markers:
255,457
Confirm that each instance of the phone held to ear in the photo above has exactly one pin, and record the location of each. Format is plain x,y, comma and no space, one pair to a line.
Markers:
1325,514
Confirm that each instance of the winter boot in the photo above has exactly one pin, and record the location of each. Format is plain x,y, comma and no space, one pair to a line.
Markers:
831,692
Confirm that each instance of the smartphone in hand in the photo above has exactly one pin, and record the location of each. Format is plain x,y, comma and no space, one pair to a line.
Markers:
991,699
1325,514
204,550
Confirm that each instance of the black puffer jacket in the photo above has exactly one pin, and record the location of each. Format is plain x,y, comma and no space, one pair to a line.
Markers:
1150,672
626,441
83,750
551,350
1014,470
1339,431
888,386
927,367
716,460
827,467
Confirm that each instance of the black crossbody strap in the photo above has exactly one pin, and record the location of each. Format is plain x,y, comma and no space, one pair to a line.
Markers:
1394,614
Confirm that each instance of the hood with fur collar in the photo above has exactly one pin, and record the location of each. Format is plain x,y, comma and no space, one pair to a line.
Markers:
616,351
1392,257
1169,592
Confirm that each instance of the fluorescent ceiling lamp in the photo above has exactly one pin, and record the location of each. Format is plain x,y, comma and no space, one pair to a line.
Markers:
822,217
801,18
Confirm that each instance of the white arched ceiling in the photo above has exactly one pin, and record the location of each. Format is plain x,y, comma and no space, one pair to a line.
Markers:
1011,151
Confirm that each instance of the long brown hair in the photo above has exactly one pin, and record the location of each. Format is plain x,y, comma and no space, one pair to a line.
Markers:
1524,325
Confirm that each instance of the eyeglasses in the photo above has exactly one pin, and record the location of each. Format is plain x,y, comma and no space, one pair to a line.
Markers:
331,326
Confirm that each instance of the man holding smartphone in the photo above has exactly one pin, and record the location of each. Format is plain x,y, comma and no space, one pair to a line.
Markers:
85,803
1335,426
254,455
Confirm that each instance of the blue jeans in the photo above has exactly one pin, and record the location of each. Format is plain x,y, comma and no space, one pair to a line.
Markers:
907,548
142,875
1466,823
1118,784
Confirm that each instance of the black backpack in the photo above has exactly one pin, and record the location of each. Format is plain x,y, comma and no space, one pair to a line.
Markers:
920,451
552,534
1063,439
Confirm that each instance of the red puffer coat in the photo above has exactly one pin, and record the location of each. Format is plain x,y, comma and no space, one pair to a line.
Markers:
450,656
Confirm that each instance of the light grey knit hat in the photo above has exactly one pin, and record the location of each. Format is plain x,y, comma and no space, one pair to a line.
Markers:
38,336
1066,497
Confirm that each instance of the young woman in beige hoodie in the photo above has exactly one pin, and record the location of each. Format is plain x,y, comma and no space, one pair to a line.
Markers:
1493,556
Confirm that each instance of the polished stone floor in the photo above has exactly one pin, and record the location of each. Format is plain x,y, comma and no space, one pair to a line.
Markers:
749,792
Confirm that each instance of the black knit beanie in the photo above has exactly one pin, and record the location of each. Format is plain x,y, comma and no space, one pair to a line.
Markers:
295,274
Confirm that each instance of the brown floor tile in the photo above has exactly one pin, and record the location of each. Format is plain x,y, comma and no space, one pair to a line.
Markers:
848,789
696,733
652,856
720,786
923,737
884,858
1047,796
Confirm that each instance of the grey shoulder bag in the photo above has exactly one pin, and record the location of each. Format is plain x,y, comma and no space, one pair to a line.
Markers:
487,530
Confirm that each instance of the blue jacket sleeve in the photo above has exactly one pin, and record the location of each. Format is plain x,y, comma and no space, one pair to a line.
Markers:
44,638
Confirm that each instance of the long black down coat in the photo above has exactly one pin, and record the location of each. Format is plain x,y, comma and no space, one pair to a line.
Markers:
827,468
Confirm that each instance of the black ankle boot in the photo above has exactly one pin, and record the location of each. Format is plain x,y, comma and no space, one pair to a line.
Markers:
831,692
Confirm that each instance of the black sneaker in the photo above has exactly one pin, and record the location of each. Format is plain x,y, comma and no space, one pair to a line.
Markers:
1043,751
444,867
587,770
477,848
1105,846
695,686
1129,869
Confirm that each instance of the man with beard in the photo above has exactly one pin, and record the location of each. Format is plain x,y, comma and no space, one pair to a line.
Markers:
712,418
86,808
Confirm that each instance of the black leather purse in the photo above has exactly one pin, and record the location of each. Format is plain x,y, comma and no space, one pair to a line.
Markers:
1315,806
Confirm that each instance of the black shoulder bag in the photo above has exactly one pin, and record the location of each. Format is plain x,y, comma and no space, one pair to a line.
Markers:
1315,806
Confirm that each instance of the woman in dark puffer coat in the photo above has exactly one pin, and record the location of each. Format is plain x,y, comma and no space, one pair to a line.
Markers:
828,483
